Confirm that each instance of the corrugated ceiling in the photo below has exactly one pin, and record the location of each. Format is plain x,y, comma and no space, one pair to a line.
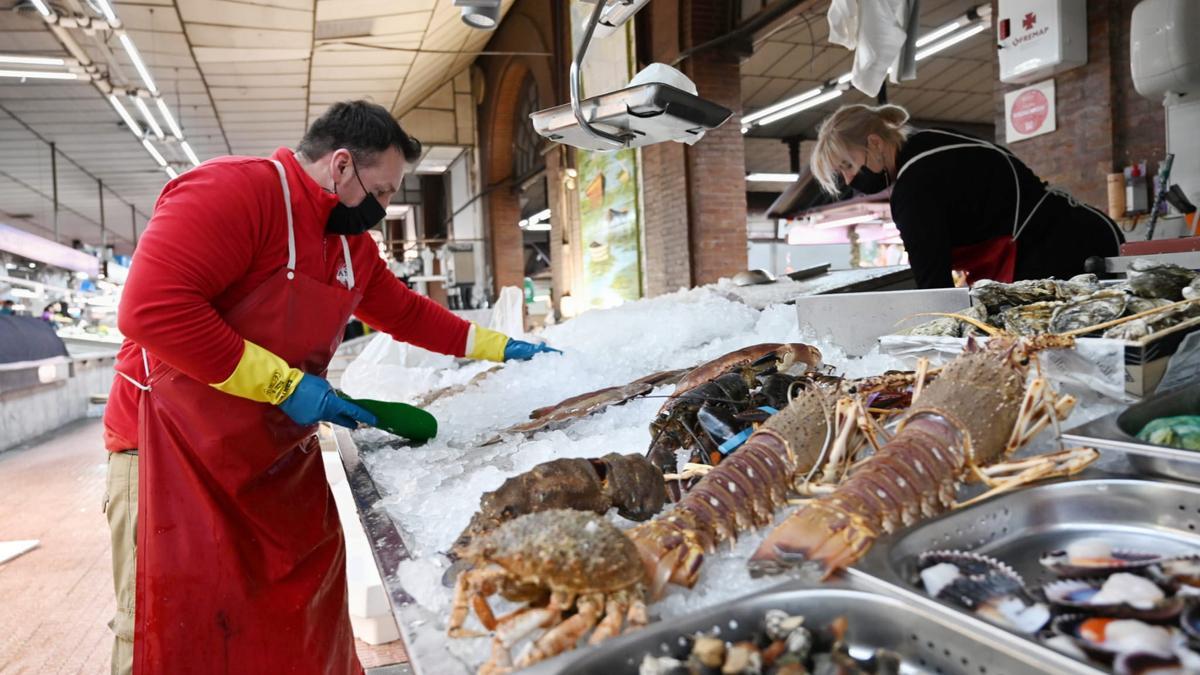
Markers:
241,77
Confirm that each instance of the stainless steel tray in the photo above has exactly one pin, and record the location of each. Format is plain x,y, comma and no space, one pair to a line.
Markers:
927,639
1020,526
1117,432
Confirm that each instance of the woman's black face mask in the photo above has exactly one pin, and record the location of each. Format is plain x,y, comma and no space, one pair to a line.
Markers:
355,219
869,182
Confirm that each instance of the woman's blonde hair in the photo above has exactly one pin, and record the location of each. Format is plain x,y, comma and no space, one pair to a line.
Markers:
847,129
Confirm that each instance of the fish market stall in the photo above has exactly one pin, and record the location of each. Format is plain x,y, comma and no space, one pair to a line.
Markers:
426,507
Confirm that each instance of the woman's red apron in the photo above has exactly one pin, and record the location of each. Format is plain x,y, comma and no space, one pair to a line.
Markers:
241,564
995,258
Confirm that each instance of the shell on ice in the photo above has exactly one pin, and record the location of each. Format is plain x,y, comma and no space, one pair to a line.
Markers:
1094,309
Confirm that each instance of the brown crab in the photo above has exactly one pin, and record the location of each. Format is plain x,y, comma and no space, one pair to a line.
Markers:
557,562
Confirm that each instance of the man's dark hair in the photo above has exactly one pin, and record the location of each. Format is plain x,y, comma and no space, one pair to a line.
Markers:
364,128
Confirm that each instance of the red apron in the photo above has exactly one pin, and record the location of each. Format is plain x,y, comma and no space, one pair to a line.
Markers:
995,259
241,564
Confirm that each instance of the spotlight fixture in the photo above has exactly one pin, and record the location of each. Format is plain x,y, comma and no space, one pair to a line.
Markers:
480,14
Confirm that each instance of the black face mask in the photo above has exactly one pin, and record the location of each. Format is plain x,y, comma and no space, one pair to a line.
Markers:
869,182
355,219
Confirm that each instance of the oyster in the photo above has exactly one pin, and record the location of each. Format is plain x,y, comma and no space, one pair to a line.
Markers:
1031,319
1122,595
983,586
943,326
1096,557
996,296
1150,279
1130,330
1094,309
1192,290
1079,285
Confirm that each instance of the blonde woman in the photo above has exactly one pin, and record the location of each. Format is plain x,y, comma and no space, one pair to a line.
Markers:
961,203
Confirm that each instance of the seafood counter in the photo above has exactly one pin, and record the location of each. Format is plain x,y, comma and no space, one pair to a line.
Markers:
720,504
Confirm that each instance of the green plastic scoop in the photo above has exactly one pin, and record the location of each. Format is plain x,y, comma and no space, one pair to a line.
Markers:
401,419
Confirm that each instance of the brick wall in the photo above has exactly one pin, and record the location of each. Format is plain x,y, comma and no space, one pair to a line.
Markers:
695,196
665,227
1102,122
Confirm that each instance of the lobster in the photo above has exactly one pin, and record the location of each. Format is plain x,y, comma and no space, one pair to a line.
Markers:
977,412
825,427
704,409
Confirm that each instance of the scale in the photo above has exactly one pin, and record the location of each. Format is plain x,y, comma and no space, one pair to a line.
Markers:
627,118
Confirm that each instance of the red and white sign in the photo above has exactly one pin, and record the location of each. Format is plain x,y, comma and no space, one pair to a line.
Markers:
1029,112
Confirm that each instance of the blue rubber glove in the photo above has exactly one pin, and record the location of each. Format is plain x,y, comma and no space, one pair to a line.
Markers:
314,400
523,351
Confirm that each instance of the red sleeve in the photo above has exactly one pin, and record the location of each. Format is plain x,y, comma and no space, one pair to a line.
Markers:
390,306
201,238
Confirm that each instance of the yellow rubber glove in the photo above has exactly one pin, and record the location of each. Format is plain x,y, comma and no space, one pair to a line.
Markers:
261,376
486,344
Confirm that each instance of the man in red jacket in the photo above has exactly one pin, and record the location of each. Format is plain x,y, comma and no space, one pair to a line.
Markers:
240,289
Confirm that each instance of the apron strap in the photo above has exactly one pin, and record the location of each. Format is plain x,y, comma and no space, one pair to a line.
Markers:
979,143
146,369
349,265
287,205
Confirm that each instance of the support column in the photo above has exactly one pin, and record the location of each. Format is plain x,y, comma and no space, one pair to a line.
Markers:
54,185
695,196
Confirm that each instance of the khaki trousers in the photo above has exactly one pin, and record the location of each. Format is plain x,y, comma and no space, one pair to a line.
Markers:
121,507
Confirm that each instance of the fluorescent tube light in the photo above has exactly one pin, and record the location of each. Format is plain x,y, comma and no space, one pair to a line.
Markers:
191,154
538,227
760,114
773,177
145,110
32,60
937,33
38,75
804,105
154,152
125,116
134,56
109,14
171,172
845,79
952,40
42,9
843,222
166,113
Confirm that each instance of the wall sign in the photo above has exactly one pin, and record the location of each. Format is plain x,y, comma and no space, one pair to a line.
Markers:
1029,112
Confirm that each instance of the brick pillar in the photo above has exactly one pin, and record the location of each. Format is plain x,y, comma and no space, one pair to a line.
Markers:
695,196
668,240
503,210
1102,122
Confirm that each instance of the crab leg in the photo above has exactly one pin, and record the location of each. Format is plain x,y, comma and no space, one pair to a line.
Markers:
472,589
614,616
565,635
